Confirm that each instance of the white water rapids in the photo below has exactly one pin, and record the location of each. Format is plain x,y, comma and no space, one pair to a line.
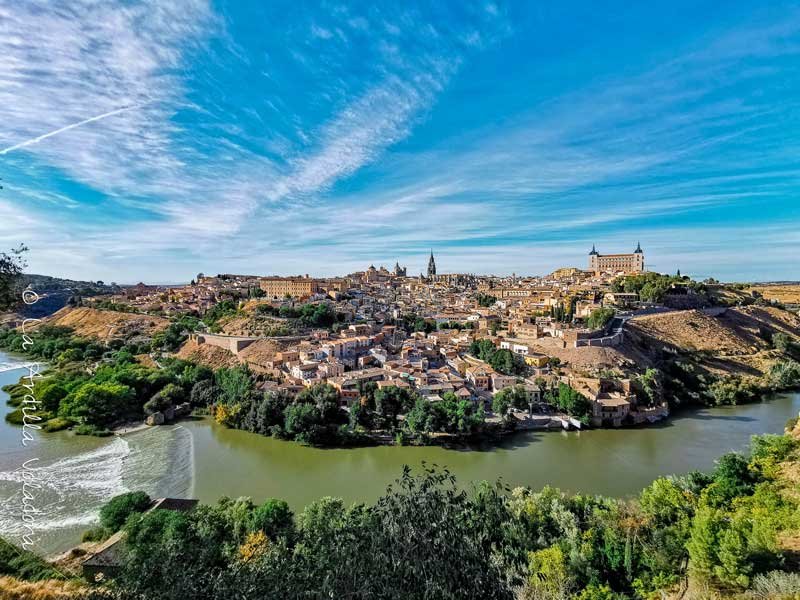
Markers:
71,477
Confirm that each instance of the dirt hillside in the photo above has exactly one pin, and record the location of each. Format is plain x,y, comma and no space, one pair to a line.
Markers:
738,341
737,331
208,355
106,324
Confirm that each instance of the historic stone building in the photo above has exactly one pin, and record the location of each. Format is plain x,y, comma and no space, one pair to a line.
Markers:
295,287
616,263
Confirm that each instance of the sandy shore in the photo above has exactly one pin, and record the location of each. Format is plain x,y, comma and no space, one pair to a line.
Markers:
130,428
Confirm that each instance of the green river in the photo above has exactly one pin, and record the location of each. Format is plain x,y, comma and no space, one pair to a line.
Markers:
203,460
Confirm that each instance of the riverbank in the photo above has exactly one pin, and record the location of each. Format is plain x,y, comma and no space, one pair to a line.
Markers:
201,459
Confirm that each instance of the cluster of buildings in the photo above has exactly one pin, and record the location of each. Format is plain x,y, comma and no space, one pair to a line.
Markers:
416,332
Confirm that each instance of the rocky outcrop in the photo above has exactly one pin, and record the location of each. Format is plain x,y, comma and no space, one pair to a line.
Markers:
157,418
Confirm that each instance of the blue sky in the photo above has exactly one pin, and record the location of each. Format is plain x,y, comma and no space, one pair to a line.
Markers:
152,140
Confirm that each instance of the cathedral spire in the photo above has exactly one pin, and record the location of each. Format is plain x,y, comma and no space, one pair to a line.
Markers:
431,266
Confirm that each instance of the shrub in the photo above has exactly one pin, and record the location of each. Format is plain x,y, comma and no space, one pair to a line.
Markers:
203,393
775,585
733,390
92,430
95,534
274,518
23,564
785,344
599,318
767,451
784,374
114,514
57,424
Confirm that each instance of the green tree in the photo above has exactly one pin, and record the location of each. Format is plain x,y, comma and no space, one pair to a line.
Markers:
204,393
11,266
485,300
170,395
732,478
549,576
51,396
423,417
99,404
391,401
501,404
274,518
599,318
703,543
116,511
235,385
573,402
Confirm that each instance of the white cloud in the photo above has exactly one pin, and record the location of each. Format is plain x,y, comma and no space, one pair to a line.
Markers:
597,156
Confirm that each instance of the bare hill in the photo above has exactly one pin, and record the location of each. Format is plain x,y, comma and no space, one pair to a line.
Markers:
736,342
208,355
736,331
106,324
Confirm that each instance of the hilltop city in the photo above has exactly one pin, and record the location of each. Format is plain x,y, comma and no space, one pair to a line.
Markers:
578,347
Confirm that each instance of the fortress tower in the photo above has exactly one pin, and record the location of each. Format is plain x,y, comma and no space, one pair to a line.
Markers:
617,263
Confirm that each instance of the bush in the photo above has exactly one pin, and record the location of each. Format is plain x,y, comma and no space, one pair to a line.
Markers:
57,424
274,518
599,318
23,564
733,391
95,534
92,430
114,514
784,374
786,344
768,451
15,417
775,585
203,393
99,404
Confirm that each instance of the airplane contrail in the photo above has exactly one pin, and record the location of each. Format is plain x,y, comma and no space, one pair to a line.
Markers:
67,128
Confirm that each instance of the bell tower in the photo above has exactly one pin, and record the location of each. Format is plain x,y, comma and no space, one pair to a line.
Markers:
431,266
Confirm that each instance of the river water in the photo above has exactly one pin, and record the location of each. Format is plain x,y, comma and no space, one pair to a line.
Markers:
203,460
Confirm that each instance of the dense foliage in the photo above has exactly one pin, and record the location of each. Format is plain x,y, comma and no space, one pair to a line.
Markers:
117,510
652,286
485,300
23,564
312,314
450,415
500,359
221,310
570,401
599,318
11,265
176,333
514,396
116,388
428,538
315,417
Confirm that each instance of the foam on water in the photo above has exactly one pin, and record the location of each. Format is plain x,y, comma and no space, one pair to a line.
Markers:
13,366
73,488
70,489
